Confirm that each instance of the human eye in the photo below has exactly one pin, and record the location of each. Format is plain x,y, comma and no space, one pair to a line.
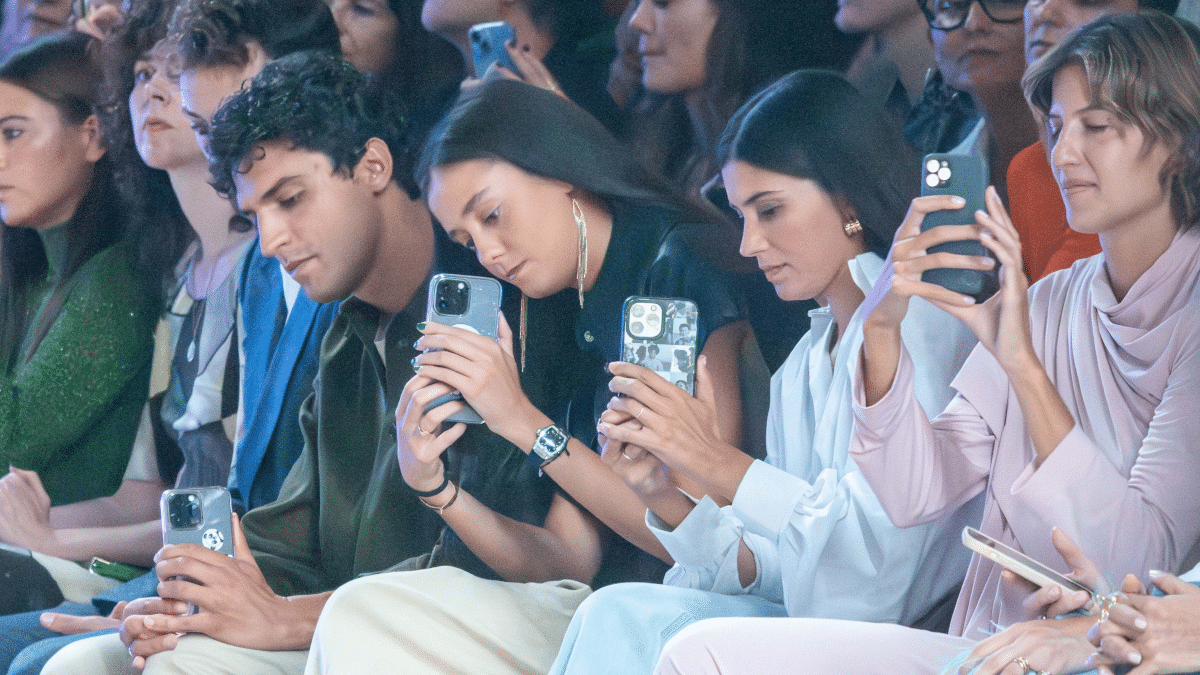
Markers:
142,73
11,133
768,212
493,216
291,201
463,239
1053,129
661,4
363,9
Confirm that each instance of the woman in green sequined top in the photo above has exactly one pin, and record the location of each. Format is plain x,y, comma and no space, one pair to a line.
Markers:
76,311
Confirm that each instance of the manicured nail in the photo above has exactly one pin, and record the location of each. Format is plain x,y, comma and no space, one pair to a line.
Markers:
955,199
1135,658
968,299
417,344
421,325
602,427
1140,624
47,619
149,621
1154,574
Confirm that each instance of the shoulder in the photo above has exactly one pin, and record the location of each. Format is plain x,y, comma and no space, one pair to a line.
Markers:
112,276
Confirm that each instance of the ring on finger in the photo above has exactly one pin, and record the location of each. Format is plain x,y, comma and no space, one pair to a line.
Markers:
638,416
422,431
626,456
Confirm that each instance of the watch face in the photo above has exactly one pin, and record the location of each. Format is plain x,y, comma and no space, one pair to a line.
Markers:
555,437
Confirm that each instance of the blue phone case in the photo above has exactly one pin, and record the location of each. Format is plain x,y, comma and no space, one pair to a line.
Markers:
487,46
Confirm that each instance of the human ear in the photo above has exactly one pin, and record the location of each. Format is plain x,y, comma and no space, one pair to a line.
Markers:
92,138
374,169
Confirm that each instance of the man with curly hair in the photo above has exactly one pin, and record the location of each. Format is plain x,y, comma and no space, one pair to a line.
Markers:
321,162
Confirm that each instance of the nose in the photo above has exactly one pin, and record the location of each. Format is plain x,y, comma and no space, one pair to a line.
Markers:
642,19
977,19
488,251
1038,12
1065,148
753,242
273,235
159,88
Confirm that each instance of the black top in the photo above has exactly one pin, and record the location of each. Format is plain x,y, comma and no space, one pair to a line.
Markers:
648,255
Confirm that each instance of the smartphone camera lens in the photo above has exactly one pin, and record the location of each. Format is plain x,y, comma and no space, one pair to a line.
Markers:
453,297
184,511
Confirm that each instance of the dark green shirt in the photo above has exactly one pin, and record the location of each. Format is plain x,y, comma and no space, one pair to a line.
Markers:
70,410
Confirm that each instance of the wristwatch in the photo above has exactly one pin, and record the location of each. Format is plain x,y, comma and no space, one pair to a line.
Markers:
551,442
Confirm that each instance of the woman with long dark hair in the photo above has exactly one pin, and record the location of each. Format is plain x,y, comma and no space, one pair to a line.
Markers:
76,313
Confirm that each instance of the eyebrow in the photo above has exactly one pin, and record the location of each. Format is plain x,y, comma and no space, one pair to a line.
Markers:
279,185
12,117
473,201
757,196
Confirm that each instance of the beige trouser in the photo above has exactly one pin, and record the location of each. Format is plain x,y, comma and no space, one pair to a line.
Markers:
440,620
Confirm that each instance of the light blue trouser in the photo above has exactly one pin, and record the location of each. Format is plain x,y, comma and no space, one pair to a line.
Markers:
621,629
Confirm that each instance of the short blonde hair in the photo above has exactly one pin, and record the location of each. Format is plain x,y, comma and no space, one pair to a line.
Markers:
1145,69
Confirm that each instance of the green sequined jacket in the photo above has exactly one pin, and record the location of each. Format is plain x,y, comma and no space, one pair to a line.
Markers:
70,410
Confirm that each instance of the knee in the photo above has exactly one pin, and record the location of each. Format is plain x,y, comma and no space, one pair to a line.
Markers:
688,652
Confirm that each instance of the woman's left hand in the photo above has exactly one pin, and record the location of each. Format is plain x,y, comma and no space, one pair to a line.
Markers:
483,370
1156,634
420,436
1049,645
1002,322
532,70
24,510
679,429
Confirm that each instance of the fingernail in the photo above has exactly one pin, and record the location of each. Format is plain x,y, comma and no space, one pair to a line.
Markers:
421,325
968,299
955,199
1154,574
47,619
602,427
984,260
1140,624
149,621
1135,658
416,367
417,344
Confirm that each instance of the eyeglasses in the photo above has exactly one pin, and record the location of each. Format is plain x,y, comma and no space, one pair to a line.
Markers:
951,14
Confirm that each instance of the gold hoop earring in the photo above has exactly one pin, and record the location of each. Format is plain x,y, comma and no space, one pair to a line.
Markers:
852,227
581,268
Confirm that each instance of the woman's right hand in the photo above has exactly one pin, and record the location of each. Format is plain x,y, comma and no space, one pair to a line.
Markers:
1155,634
420,436
644,473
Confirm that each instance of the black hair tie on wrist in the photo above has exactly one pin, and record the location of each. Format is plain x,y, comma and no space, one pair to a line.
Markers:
435,491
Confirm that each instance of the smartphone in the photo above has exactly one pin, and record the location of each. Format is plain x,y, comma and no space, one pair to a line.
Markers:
115,570
201,516
660,334
965,176
1012,559
471,303
488,42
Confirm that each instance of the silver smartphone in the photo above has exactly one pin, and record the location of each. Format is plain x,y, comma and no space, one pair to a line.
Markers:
488,42
202,516
965,176
467,302
1011,559
660,334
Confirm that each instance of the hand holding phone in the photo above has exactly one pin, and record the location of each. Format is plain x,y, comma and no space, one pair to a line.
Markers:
468,302
965,176
660,334
1011,559
202,516
488,46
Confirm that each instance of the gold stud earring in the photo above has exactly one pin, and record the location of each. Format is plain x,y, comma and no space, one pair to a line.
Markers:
852,227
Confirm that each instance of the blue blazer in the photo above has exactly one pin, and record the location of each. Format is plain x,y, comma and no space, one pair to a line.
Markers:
281,361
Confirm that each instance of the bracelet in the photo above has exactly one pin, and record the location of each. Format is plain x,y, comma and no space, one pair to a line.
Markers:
435,491
445,506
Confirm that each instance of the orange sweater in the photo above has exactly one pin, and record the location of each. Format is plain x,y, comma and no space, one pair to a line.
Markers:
1048,244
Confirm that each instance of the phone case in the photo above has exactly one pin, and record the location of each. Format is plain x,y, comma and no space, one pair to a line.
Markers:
481,315
1012,559
660,334
487,46
965,176
211,526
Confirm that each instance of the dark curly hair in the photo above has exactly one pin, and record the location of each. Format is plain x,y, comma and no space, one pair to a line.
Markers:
317,102
156,218
216,32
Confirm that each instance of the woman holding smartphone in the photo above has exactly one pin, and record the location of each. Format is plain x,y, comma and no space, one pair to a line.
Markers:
820,178
76,310
548,201
1077,409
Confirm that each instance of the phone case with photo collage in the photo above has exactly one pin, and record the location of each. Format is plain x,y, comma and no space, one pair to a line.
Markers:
660,334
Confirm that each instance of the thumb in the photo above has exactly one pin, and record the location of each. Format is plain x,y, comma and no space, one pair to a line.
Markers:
1082,569
504,335
31,478
705,392
1171,584
241,548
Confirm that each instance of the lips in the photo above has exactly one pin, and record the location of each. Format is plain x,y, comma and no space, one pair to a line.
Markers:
1072,186
512,272
155,124
292,265
770,270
